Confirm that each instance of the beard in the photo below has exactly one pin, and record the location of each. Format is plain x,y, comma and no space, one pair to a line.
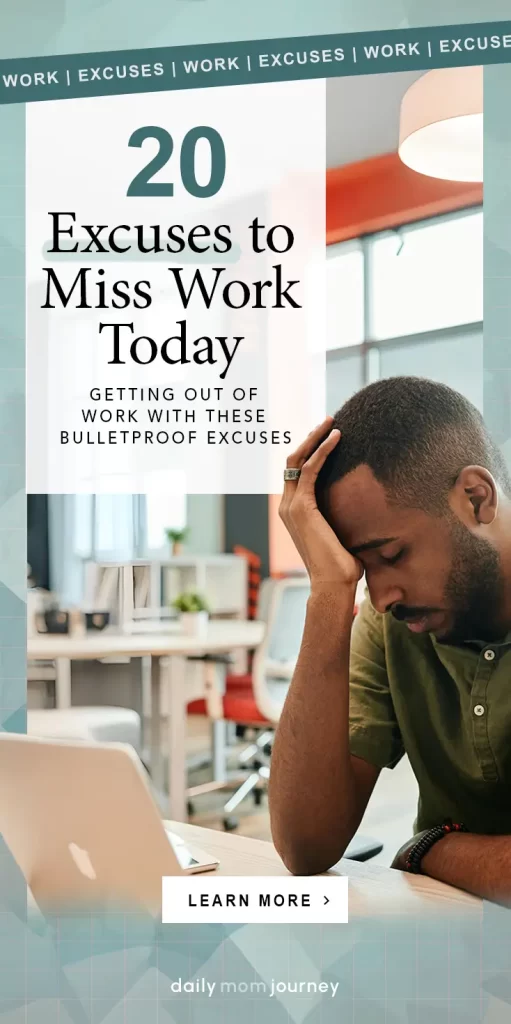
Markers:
475,589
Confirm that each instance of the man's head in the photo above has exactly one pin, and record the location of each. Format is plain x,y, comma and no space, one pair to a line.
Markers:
418,491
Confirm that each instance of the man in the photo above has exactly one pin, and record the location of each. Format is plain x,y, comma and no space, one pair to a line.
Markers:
409,489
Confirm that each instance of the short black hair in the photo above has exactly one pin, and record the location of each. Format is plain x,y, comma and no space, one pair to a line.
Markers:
416,436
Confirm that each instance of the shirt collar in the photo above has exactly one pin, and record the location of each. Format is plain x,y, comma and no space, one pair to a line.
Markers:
471,645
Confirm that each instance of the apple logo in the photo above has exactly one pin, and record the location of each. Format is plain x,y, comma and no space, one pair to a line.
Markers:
82,861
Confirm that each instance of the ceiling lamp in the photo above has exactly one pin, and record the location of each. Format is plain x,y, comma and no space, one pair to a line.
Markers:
441,124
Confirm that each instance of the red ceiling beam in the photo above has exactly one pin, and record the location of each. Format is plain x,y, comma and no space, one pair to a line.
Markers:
379,193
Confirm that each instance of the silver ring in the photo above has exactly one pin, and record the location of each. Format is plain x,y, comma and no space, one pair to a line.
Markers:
292,474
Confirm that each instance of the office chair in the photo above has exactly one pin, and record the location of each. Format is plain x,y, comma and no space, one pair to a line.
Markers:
282,606
255,701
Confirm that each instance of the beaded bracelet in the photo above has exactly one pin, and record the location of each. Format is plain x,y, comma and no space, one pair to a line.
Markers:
423,845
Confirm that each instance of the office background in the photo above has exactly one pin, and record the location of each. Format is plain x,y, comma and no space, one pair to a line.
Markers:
406,301
404,296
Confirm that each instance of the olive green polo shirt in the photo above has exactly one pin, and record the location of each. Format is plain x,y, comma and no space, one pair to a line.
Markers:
447,708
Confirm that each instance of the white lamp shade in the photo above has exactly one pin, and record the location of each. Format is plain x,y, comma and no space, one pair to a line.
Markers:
441,124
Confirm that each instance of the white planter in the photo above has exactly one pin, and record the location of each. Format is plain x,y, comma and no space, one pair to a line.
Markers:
195,624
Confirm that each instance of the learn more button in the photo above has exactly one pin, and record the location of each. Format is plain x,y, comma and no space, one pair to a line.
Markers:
210,899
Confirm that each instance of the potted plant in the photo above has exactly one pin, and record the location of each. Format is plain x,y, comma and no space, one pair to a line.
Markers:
176,538
193,612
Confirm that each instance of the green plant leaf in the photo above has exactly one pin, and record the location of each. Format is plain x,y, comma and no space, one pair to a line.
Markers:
176,536
189,601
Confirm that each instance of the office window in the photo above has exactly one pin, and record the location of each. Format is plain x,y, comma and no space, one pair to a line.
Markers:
426,277
164,509
415,298
114,526
103,526
162,512
455,360
344,376
345,295
83,518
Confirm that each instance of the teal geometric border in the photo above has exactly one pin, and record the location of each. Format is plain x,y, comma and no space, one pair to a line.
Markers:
497,255
32,28
117,971
13,559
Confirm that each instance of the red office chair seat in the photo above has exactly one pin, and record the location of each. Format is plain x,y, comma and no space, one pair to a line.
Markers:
238,706
233,685
197,707
237,684
242,709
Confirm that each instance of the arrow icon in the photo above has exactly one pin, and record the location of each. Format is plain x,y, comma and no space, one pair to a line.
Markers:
326,899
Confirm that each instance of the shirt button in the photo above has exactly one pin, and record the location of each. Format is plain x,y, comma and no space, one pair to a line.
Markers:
489,655
479,710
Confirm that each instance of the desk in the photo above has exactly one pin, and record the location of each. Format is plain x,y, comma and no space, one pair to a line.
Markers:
168,653
374,890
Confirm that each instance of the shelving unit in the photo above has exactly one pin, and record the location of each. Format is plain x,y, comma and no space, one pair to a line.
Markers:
145,588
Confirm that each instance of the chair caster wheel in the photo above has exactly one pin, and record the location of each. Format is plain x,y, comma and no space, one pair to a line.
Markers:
190,809
230,824
258,797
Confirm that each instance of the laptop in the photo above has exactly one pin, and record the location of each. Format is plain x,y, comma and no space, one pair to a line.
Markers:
81,823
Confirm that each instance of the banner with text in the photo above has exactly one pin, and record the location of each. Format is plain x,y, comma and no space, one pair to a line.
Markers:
175,289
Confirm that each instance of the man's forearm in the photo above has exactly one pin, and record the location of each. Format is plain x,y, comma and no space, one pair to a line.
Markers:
479,864
310,795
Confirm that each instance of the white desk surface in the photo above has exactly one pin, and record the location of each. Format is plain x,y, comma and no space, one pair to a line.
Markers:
222,636
374,889
168,651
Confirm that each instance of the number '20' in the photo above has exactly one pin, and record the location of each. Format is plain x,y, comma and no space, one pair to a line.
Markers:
142,185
